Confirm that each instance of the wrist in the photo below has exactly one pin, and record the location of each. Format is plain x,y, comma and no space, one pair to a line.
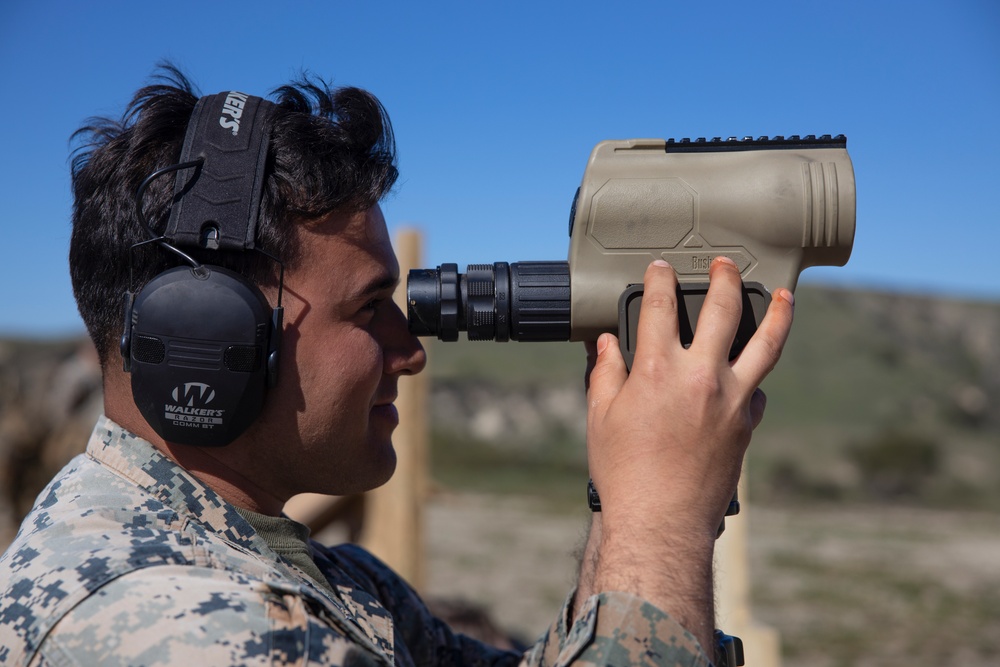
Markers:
688,522
646,562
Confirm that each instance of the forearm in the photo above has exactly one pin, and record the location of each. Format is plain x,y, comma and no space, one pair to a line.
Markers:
671,572
589,561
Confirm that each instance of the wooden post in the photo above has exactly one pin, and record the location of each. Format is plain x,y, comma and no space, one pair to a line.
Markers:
761,643
393,521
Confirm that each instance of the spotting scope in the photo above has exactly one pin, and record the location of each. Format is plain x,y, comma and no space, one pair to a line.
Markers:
774,205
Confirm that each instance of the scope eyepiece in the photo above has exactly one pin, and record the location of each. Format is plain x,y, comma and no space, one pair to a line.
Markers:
523,301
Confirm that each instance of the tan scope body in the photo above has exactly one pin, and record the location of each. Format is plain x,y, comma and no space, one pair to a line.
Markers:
774,206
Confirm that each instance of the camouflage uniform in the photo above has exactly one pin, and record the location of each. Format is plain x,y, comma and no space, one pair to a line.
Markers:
127,559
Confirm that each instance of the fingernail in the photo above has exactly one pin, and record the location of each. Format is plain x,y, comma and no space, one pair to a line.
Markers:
725,260
662,263
787,295
602,343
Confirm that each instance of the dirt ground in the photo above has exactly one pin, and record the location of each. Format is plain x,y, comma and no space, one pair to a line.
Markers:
860,586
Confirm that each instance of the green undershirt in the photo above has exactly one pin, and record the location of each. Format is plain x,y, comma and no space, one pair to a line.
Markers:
289,539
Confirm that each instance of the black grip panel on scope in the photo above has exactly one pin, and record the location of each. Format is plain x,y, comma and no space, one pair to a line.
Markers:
690,298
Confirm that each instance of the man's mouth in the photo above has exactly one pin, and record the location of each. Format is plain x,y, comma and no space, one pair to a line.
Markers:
383,401
384,407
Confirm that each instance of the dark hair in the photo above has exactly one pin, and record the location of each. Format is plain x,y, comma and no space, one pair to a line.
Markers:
331,150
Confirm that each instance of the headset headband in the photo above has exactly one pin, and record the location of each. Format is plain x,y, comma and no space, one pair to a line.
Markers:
202,342
229,132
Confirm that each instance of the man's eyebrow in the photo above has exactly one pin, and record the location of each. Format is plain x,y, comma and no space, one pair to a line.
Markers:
380,283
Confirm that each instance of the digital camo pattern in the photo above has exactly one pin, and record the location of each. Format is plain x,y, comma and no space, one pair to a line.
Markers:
127,559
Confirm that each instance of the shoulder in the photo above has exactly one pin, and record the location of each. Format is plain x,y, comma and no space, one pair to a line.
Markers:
93,542
171,615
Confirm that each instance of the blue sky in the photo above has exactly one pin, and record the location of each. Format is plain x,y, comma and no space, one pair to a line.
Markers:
496,107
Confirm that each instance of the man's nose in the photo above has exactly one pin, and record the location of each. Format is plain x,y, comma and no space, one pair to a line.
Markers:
405,354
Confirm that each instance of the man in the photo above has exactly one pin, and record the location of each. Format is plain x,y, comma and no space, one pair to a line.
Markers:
148,551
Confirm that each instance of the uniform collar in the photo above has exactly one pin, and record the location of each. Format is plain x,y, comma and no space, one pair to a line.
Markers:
141,463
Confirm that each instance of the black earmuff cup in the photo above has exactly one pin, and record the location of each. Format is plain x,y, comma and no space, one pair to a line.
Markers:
199,337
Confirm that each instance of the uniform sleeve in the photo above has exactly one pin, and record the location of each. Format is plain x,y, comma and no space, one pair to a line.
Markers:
195,616
616,629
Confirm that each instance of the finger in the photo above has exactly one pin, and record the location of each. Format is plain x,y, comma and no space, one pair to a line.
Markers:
720,313
758,401
763,350
606,377
658,332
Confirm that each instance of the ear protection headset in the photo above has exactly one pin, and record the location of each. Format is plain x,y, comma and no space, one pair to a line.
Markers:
201,342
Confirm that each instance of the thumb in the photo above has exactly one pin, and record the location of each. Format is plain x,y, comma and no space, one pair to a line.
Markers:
606,377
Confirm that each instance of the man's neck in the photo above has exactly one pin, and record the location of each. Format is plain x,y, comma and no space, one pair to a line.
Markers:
217,468
216,473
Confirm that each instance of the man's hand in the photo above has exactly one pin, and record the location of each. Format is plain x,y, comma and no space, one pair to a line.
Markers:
665,443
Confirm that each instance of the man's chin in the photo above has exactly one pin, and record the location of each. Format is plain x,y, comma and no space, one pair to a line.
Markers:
387,467
379,466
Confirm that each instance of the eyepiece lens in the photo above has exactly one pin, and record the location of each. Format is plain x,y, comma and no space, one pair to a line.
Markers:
500,301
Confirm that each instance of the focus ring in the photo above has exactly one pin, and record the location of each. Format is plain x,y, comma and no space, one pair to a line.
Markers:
480,313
